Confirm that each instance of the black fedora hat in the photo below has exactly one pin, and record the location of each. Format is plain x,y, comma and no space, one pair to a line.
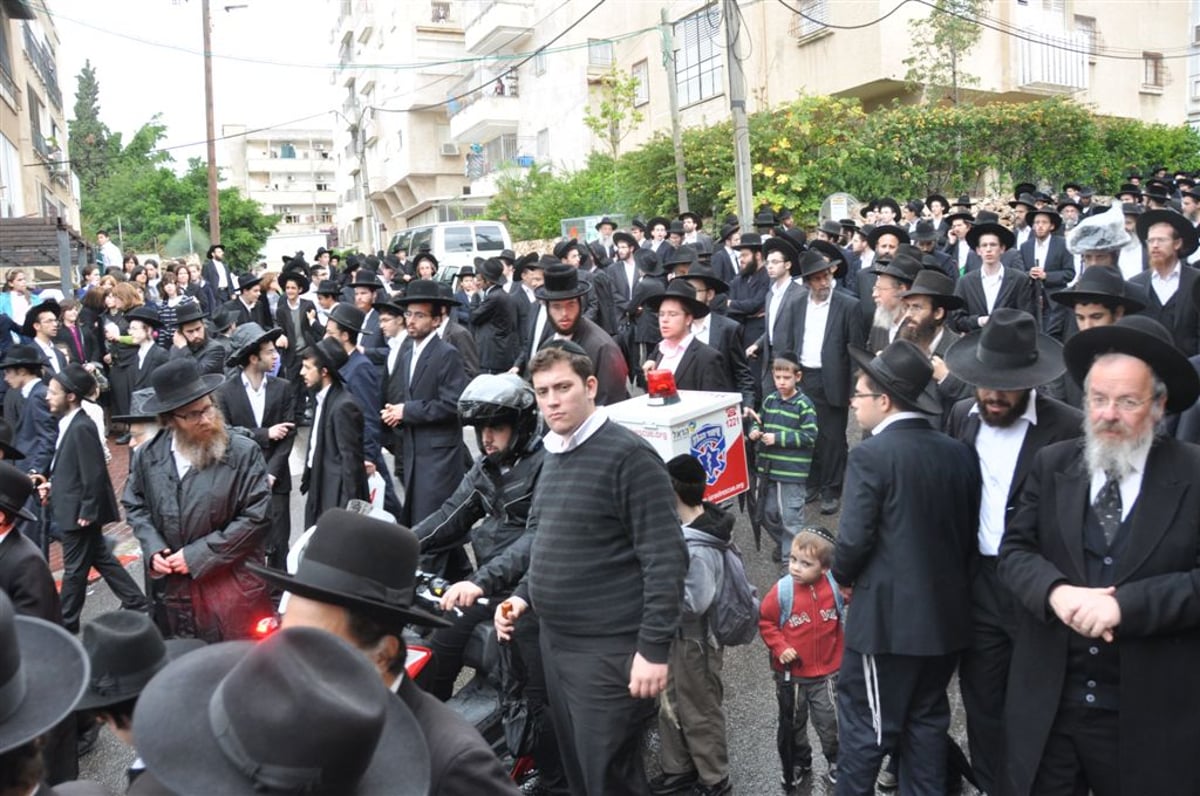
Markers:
6,446
188,313
726,231
177,383
424,291
563,248
888,201
682,255
1023,188
300,712
765,217
1006,354
35,312
137,408
693,216
1183,228
126,650
704,273
1129,189
964,201
247,281
212,249
389,306
247,339
626,238
367,279
939,287
43,673
639,223
988,223
225,316
902,371
15,489
903,268
331,356
1049,212
937,197
350,317
605,220
77,379
831,252
491,269
965,215
562,282
813,262
374,576
831,227
676,228
654,222
23,356
302,280
1024,199
423,254
508,256
145,314
750,240
647,262
924,230
329,287
530,260
1144,338
1099,285
681,291
887,229
777,243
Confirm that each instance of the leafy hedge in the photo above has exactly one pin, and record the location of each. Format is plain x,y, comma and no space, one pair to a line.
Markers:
807,149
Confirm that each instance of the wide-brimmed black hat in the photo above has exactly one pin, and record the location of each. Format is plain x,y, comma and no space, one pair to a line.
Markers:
647,262
178,382
22,356
530,260
247,339
302,280
43,672
937,286
424,291
1128,188
188,313
726,231
212,249
626,238
777,243
831,252
750,240
423,254
888,201
705,273
1183,228
676,228
1023,188
374,576
831,227
1132,208
350,317
937,197
1026,199
15,489
300,712
247,281
329,287
330,355
638,223
367,279
1099,285
963,200
1067,201
965,215
682,255
654,222
6,446
813,262
76,379
887,229
137,408
681,291
988,223
605,220
1049,212
31,316
902,267
924,230
902,371
693,216
491,269
563,248
145,314
126,650
562,282
1141,337
225,316
1006,354
764,218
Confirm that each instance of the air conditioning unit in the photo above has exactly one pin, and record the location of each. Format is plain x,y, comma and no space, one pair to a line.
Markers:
449,150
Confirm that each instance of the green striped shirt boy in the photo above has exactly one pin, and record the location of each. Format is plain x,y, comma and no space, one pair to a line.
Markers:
793,421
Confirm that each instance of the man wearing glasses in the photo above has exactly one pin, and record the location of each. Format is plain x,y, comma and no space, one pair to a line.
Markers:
197,500
993,284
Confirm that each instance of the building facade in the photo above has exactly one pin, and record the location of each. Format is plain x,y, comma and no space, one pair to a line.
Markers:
35,173
290,172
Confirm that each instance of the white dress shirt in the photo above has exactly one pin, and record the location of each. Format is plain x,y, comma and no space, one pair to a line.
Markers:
776,298
1130,260
316,423
882,425
701,328
998,450
816,319
258,398
991,286
556,443
418,348
1131,484
52,354
1165,286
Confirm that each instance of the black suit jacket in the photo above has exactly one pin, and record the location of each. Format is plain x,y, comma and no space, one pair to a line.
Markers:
494,321
907,540
621,289
773,325
725,335
1059,264
209,272
310,332
1158,641
155,356
81,486
26,579
278,408
1016,290
841,330
1179,314
701,367
337,474
260,313
724,265
464,342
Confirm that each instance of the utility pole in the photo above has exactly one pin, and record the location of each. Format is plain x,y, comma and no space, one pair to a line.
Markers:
668,44
214,209
737,105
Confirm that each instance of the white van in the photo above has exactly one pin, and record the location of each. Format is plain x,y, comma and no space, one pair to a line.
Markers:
454,243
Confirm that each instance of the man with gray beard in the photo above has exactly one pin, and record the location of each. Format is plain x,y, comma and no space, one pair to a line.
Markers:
1104,691
197,499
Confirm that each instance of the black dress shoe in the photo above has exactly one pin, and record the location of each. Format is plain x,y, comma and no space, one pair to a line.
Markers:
665,783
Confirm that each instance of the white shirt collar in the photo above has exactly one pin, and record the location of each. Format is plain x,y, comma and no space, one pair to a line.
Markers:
554,442
890,419
1172,275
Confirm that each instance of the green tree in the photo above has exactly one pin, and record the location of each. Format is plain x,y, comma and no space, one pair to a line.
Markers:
617,115
940,41
89,136
244,227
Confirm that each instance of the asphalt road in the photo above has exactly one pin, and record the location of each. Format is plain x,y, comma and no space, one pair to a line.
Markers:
749,688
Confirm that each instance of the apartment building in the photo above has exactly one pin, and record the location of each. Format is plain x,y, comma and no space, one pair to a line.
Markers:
35,177
291,172
525,74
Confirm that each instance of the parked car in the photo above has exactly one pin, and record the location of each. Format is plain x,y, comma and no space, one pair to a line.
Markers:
454,243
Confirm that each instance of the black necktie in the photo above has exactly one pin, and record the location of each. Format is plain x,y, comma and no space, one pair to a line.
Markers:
1108,507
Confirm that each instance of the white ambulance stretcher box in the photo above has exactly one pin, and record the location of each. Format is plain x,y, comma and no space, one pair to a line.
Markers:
707,425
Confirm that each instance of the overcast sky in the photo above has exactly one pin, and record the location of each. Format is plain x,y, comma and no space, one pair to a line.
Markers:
148,56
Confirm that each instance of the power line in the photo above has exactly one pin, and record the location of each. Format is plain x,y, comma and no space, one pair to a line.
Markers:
831,26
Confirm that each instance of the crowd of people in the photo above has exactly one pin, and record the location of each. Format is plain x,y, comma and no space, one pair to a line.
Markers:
1022,508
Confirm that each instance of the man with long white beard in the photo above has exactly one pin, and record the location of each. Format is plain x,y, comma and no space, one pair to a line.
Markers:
1101,553
197,500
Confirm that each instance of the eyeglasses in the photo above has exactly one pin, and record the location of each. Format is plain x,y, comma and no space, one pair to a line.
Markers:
417,315
866,395
1156,241
194,416
1125,404
776,260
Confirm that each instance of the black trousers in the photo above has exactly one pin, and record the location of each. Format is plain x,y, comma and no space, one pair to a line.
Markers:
546,755
1081,754
448,644
983,672
893,702
86,548
280,530
599,725
829,454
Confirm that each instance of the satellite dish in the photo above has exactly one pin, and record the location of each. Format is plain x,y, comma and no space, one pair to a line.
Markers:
838,206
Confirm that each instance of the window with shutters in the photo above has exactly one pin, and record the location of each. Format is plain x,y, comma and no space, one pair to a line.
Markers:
600,53
699,70
1153,70
812,17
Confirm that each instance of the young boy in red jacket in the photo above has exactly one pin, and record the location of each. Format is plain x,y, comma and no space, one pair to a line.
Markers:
800,621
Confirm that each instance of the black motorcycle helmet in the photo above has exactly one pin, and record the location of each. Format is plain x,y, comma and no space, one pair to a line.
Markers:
503,399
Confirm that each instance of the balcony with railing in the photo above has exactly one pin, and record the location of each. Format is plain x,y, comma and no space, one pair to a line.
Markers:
484,105
506,151
43,63
1054,63
497,26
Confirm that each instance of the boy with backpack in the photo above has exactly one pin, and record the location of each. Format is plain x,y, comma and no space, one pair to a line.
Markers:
691,719
801,622
786,432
